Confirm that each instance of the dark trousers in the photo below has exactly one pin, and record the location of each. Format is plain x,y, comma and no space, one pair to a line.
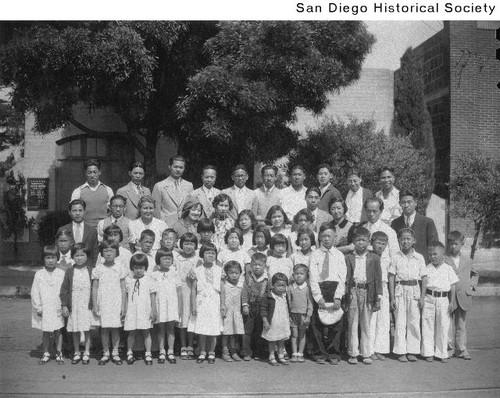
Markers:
253,343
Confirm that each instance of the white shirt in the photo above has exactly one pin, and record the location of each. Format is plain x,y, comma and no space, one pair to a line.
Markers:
441,278
354,203
77,227
408,267
385,262
359,268
392,210
279,264
239,197
137,226
409,220
292,201
78,191
337,271
393,243
209,193
456,261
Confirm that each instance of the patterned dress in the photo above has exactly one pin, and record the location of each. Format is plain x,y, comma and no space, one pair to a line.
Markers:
80,317
139,291
45,297
167,303
221,227
109,294
233,322
280,322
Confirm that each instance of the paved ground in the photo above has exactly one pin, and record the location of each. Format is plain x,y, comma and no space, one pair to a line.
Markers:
20,374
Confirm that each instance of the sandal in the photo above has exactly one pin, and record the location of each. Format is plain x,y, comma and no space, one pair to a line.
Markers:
162,357
46,358
85,359
60,358
116,359
171,359
76,358
201,358
148,359
211,359
184,353
130,358
272,362
104,359
282,360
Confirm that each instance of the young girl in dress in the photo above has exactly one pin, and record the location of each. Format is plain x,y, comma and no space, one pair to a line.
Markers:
108,298
278,221
303,219
46,312
233,251
222,221
206,230
207,303
140,310
168,302
185,262
306,240
64,240
276,319
277,261
113,234
75,300
246,223
260,240
233,322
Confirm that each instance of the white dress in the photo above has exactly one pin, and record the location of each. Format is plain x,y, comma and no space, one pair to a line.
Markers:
208,319
45,297
239,256
167,303
233,322
109,294
139,302
80,317
280,322
184,266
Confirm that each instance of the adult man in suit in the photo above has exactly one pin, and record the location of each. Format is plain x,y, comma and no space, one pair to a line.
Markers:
82,232
242,197
328,191
134,190
464,288
424,228
117,207
268,194
313,197
170,192
206,193
356,197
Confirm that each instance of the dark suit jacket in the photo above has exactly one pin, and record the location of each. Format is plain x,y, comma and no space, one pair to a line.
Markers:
66,294
373,275
268,304
467,281
89,238
330,193
128,192
425,232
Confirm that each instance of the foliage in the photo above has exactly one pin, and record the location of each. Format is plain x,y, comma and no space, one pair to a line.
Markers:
357,145
475,193
412,117
11,132
14,208
49,223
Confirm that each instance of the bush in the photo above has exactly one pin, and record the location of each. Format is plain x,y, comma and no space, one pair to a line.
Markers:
49,224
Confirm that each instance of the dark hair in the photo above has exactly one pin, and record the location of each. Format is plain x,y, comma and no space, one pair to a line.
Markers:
109,245
326,225
385,168
407,192
303,212
236,231
298,167
301,266
115,197
337,199
169,231
64,232
309,233
92,162
134,163
147,233
188,205
188,237
208,167
76,202
179,158
50,250
379,235
269,167
205,225
279,277
374,199
139,260
163,252
232,264
403,230
353,172
221,198
264,230
259,257
361,232
208,247
456,235
313,189
80,246
278,239
325,166
239,167
110,229
250,215
435,243
273,210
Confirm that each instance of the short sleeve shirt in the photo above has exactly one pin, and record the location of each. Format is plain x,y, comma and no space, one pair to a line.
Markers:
441,278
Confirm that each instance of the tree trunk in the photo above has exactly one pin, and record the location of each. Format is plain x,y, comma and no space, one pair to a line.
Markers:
478,225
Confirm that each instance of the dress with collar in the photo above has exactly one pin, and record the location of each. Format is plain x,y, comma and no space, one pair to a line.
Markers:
45,297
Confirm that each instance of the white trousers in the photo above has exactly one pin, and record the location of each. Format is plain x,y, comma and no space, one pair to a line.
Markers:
407,328
359,316
435,327
380,324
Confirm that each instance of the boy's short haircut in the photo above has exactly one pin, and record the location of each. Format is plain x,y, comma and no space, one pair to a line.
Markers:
92,162
308,232
236,231
259,257
353,172
298,167
250,215
274,209
179,158
64,232
303,212
263,230
337,199
325,226
325,166
135,163
374,199
407,192
50,250
313,189
379,235
279,276
208,167
109,245
269,167
239,167
139,260
168,231
221,198
434,244
386,168
278,239
301,266
361,232
80,246
232,264
117,197
188,237
205,225
456,235
147,233
110,229
403,230
163,252
76,202
208,247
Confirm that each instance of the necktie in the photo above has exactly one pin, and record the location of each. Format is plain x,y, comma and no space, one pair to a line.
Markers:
78,234
62,263
408,222
141,191
115,222
325,272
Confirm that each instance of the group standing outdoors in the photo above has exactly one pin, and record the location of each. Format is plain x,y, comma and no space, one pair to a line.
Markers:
280,274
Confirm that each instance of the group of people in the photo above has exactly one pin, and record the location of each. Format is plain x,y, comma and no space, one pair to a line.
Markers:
303,268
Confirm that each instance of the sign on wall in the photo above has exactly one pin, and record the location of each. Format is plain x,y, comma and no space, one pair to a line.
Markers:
38,193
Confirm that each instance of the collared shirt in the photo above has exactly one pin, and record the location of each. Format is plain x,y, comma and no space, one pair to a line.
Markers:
292,201
65,261
299,298
392,209
137,226
100,226
408,267
138,189
77,231
393,243
360,268
239,197
209,193
279,264
441,278
456,261
78,191
323,189
337,271
409,220
354,203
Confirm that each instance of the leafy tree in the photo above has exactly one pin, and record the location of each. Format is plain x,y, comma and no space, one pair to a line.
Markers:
356,144
225,92
475,193
11,132
412,117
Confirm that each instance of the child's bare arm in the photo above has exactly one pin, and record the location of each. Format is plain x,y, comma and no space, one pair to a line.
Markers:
95,290
124,301
223,309
153,307
453,301
180,301
193,297
392,284
421,302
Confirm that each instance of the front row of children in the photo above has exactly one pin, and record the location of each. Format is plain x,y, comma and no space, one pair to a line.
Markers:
234,301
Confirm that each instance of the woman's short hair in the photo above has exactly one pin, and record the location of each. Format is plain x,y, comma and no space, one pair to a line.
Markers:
275,209
145,199
337,199
109,245
50,250
303,212
261,229
250,215
221,198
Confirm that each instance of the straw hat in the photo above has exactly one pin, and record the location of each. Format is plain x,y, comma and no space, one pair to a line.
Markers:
328,316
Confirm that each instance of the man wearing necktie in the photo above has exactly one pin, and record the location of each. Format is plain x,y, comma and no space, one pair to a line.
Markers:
268,195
